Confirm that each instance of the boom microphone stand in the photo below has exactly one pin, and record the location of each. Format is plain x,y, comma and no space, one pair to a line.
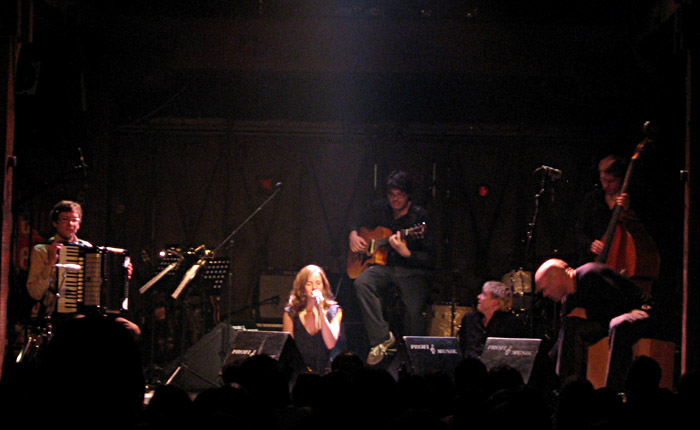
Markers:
225,242
225,328
278,187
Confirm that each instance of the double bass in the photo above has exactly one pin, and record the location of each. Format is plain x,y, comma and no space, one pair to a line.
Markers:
627,247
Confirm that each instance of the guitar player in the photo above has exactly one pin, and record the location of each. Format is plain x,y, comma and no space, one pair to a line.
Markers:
405,269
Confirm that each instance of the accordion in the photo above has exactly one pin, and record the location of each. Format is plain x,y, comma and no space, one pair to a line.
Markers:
100,285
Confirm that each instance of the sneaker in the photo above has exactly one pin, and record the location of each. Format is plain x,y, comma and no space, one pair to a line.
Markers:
377,352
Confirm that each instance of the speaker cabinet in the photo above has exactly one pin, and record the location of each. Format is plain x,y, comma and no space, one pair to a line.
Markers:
278,345
199,367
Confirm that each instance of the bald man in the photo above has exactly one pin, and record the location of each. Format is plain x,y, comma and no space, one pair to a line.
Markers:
596,302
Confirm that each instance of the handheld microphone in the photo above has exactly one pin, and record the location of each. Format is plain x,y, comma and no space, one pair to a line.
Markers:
318,295
69,267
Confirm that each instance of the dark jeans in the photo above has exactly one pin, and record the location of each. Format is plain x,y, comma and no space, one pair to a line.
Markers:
577,334
375,283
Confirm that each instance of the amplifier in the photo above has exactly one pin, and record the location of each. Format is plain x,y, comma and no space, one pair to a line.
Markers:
273,295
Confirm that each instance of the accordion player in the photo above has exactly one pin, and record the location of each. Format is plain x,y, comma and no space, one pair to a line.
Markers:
92,280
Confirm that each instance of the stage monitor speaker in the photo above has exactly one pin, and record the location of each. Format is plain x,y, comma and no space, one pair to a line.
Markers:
514,352
278,345
424,355
200,366
273,294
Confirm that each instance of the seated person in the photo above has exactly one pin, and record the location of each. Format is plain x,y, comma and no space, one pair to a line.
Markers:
493,318
43,282
596,302
406,269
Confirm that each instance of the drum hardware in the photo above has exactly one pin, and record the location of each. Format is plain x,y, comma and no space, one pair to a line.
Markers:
520,283
37,338
446,319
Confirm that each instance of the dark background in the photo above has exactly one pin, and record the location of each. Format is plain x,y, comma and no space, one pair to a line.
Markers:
169,120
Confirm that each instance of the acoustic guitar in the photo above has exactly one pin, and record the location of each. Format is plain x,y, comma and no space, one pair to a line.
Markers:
378,247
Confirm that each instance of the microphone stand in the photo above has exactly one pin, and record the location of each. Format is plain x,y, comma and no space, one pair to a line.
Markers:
529,246
229,238
274,300
453,309
233,233
531,237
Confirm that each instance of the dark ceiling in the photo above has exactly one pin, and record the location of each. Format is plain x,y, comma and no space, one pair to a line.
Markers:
572,11
480,61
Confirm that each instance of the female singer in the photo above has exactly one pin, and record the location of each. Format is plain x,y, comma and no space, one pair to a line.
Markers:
313,318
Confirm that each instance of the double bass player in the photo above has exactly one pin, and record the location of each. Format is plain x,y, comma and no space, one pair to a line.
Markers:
597,207
608,231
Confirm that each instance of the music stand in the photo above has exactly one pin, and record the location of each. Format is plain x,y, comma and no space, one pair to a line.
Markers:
166,267
519,353
215,273
210,279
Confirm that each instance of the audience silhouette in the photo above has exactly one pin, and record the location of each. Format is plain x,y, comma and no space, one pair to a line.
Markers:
92,370
168,406
647,404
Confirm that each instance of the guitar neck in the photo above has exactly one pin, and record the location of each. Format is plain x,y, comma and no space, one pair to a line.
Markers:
385,240
381,242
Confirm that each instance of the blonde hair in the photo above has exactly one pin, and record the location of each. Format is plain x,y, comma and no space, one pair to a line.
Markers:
298,297
500,292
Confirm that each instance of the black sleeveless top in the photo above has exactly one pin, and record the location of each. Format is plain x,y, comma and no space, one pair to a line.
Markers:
312,348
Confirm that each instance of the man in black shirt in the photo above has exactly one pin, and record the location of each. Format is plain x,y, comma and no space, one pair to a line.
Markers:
493,318
406,266
597,207
596,301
